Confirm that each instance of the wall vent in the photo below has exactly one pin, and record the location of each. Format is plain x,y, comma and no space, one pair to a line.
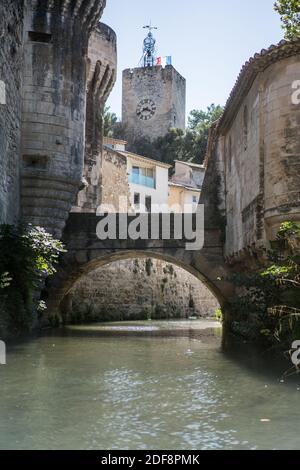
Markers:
36,162
35,36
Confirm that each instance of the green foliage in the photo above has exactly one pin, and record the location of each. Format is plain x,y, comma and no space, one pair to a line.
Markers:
169,270
189,145
148,266
27,256
272,295
136,266
199,123
4,280
219,315
109,121
163,284
147,314
289,11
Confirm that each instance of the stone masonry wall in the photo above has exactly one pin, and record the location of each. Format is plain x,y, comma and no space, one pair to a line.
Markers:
282,143
102,73
262,159
54,107
166,88
140,289
254,151
114,180
11,32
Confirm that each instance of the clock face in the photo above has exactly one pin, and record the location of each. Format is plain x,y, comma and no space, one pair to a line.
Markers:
146,109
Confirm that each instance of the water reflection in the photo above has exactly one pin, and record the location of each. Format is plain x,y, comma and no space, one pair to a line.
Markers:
138,386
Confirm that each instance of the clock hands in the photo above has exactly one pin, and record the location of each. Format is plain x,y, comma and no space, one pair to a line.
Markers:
146,109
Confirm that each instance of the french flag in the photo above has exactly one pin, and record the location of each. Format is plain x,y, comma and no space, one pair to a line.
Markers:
164,61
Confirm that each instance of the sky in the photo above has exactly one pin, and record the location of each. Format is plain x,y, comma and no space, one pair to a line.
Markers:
209,41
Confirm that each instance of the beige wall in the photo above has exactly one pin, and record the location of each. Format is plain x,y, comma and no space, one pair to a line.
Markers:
179,197
282,144
114,179
145,288
256,155
11,25
175,197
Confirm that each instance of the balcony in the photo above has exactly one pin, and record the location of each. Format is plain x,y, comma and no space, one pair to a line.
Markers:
142,180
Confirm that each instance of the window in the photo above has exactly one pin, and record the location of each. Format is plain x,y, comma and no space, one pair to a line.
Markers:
195,201
143,176
39,37
37,162
148,204
147,172
137,201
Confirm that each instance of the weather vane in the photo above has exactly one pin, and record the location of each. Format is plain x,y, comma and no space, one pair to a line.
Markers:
149,47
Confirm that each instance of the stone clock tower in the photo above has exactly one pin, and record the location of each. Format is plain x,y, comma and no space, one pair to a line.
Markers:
154,97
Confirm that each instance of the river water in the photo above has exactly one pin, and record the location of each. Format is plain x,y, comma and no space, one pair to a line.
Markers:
143,386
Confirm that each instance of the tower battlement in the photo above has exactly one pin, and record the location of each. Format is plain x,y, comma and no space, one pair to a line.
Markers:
89,11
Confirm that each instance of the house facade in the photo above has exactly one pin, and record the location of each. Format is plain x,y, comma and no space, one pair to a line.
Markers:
185,187
143,180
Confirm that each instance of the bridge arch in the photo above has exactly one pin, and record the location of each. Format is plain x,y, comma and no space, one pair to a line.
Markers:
85,253
77,265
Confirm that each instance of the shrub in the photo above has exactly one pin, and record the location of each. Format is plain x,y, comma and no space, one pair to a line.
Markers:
219,315
27,256
271,300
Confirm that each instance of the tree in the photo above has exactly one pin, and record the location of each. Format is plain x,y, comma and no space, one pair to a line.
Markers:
27,256
109,122
202,120
289,11
270,304
178,144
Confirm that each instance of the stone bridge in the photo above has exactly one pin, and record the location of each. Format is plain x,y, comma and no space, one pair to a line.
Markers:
86,252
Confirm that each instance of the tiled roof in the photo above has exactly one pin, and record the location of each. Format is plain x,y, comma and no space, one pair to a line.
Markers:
258,63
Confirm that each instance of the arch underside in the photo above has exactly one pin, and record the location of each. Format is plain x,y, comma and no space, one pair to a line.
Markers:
77,265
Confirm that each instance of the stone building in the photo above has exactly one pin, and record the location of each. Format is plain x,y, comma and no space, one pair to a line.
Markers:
143,182
252,182
185,186
102,74
153,101
114,177
43,71
11,53
147,288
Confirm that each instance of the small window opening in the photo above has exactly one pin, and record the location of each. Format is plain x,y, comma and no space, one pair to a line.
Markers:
35,36
37,162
